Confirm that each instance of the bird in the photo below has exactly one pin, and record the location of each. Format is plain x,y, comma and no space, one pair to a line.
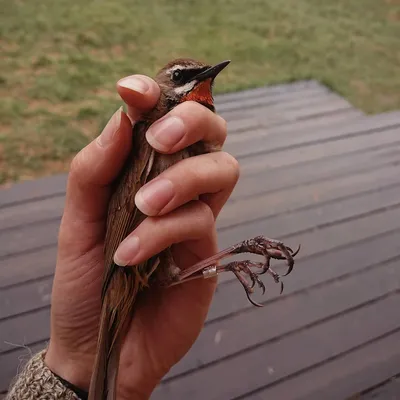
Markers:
180,80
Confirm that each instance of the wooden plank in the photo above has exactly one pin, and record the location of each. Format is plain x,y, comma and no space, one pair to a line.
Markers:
317,128
385,250
325,126
268,141
23,298
22,214
285,157
298,109
292,313
44,189
387,391
278,225
33,214
282,113
37,293
36,189
249,184
295,114
228,379
270,90
240,128
33,190
36,210
288,99
344,264
32,290
8,364
242,125
23,330
326,168
36,236
343,376
337,263
27,266
274,204
28,238
11,363
318,240
245,330
236,109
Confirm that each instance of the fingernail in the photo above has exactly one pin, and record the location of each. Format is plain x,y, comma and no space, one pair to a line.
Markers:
154,196
135,83
165,134
107,136
127,251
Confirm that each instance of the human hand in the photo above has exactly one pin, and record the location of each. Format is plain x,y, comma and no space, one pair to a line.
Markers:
167,321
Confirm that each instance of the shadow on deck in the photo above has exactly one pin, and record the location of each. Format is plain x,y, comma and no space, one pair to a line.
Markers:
315,171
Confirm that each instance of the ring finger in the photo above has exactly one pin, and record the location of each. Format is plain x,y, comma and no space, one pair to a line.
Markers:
190,222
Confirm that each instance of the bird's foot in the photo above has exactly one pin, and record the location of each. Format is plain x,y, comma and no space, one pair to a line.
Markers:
260,245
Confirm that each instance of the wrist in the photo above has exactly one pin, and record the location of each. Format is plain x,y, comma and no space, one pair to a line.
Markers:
35,380
75,370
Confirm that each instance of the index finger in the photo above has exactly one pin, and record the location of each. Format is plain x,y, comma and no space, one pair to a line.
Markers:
186,124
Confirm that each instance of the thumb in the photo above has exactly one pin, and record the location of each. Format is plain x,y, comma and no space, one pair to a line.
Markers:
91,174
95,168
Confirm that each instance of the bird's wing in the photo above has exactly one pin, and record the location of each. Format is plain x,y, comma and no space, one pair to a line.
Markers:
123,216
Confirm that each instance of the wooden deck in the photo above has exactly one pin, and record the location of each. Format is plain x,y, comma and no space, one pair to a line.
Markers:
315,171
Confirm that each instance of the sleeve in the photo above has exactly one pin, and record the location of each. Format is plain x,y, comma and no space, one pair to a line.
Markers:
36,381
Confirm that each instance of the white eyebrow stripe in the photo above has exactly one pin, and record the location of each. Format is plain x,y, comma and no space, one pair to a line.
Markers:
185,88
174,68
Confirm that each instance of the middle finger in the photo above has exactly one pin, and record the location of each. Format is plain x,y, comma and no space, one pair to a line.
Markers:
213,174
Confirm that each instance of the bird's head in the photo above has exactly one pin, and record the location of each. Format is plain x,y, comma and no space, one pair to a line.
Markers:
186,79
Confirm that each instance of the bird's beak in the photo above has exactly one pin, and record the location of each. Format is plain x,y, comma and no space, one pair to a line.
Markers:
211,72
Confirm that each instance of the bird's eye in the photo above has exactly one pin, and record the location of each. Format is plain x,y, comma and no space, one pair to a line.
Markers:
177,75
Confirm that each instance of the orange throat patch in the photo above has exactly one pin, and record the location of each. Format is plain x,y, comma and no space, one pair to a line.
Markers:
201,93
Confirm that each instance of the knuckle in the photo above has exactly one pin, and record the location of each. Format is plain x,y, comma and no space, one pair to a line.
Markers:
78,166
206,215
188,109
223,126
232,164
194,106
196,114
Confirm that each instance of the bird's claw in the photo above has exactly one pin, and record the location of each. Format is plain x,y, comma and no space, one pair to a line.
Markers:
260,245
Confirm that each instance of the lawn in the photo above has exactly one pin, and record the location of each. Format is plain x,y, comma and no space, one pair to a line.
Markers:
60,60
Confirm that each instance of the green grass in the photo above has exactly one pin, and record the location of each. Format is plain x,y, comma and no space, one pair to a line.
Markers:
60,60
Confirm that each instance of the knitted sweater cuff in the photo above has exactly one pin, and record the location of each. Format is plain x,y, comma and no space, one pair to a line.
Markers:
36,381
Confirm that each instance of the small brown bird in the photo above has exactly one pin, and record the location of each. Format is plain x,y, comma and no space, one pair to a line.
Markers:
180,80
